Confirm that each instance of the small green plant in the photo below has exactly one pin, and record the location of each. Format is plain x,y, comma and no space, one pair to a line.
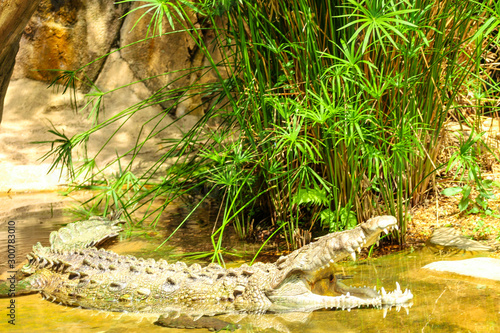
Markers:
469,173
483,231
474,204
346,217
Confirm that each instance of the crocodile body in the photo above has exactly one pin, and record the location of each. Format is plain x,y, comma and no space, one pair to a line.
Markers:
73,272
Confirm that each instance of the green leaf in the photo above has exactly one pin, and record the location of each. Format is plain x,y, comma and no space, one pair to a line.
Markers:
451,191
348,218
487,194
327,218
474,210
464,203
487,183
481,202
467,190
310,195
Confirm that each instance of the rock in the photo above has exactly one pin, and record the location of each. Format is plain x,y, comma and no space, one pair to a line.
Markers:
172,60
138,126
28,104
171,54
66,35
451,239
486,268
32,109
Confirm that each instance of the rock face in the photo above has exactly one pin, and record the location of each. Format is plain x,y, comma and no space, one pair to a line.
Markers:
173,60
172,54
66,35
33,109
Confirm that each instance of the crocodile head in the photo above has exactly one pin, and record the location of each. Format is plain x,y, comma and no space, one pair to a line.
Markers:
298,271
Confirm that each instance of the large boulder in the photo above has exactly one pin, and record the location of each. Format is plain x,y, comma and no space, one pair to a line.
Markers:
33,110
486,268
65,35
165,59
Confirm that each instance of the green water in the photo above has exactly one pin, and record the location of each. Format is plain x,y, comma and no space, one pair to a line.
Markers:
442,303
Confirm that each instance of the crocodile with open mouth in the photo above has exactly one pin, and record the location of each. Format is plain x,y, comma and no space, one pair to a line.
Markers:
72,271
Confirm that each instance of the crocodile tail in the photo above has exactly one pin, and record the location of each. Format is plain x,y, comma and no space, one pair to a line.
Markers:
83,234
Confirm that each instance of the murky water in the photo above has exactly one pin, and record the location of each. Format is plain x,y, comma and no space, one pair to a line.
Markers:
442,303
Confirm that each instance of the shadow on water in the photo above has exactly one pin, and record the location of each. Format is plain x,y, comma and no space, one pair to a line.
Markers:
442,303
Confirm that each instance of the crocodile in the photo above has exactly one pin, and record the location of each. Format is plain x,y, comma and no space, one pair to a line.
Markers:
72,271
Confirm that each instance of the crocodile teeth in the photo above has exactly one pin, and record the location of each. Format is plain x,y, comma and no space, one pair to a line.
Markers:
386,231
353,256
385,312
396,227
382,291
398,287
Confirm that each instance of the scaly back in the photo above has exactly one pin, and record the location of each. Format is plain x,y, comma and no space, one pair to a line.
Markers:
83,234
